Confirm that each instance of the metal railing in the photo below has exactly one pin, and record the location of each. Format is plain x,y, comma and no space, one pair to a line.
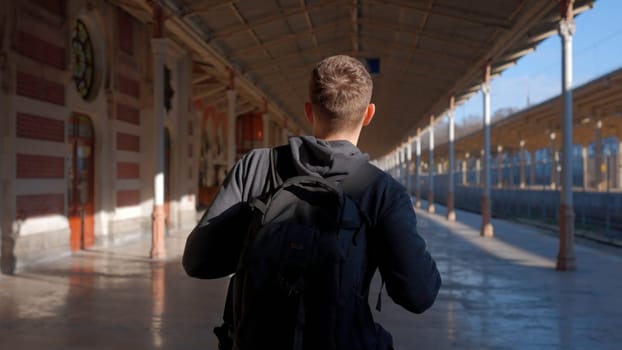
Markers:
597,192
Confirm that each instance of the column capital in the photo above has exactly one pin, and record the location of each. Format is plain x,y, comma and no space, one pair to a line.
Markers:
486,87
566,28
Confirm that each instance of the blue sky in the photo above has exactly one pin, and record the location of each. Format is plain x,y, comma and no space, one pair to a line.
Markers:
597,49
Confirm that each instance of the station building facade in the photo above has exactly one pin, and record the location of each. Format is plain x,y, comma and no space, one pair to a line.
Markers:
77,133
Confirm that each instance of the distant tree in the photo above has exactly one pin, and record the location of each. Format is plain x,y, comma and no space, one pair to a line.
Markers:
503,112
468,125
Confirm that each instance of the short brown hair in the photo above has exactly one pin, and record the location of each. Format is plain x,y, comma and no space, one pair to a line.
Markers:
341,87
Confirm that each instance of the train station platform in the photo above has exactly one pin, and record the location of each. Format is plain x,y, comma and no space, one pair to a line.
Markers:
498,293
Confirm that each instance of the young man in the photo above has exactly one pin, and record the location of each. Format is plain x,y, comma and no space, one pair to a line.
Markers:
339,107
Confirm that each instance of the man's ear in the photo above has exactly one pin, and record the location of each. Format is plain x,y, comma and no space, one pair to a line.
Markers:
369,114
309,112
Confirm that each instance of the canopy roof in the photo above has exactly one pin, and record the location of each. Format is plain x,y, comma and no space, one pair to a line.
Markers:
597,102
427,50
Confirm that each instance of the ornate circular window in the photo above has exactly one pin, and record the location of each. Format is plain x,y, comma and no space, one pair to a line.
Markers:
82,59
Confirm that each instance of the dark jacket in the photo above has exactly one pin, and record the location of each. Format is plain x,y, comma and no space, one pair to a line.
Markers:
396,249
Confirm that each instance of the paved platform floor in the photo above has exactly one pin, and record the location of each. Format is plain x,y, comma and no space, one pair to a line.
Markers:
498,293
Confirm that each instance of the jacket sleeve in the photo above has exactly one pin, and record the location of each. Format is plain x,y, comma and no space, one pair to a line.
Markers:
406,266
213,246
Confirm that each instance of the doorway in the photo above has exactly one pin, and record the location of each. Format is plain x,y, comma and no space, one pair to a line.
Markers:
81,180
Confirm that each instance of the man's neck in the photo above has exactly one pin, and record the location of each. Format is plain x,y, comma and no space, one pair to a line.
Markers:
352,137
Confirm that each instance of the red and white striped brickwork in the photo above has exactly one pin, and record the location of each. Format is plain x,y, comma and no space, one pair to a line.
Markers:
41,98
128,128
37,118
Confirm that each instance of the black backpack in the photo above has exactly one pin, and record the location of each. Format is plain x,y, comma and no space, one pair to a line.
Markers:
299,281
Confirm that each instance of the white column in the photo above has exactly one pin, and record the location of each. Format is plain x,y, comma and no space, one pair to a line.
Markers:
159,48
396,164
405,165
400,164
566,257
418,169
500,166
619,165
553,152
451,214
465,170
584,168
431,168
598,157
486,229
231,127
522,164
266,129
409,158
532,168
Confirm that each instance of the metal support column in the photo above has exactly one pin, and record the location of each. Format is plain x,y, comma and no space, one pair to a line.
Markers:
409,160
418,170
598,157
499,166
478,171
486,229
465,170
522,157
585,172
401,153
451,213
554,157
431,168
566,257
159,49
532,168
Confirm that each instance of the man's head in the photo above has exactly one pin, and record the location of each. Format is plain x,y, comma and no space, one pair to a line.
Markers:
340,90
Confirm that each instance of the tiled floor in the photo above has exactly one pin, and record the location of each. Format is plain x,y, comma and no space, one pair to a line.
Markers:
499,293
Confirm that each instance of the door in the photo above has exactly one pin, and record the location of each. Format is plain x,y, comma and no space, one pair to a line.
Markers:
80,193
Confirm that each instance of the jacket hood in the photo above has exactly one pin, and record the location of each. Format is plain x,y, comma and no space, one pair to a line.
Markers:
313,156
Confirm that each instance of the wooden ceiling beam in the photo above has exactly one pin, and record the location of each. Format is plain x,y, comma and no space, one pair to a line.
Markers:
284,38
199,7
452,39
208,91
461,14
322,50
279,16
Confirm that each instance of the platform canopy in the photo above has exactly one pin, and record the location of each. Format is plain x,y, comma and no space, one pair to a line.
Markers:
422,52
596,102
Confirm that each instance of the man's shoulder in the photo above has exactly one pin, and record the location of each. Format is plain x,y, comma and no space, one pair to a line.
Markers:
254,160
256,154
386,189
380,178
